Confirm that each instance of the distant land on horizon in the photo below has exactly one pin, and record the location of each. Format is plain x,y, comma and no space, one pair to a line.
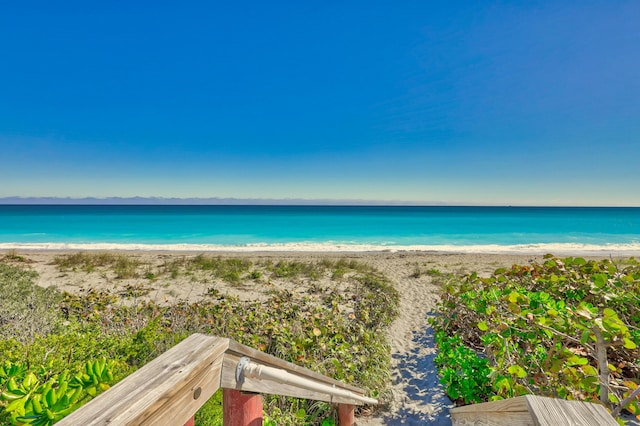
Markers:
199,201
216,201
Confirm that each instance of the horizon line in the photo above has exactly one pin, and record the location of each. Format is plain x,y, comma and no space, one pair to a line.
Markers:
231,201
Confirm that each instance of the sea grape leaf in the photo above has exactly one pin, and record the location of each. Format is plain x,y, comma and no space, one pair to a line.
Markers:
577,360
599,280
517,370
585,336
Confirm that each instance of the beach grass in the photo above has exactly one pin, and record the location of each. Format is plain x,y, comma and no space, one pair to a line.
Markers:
122,265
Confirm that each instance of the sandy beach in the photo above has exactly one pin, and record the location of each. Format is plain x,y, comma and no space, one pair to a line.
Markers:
414,397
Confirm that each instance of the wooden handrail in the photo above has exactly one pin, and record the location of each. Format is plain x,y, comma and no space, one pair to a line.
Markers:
171,388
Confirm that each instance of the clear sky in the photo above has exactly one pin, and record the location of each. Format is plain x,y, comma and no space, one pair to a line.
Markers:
483,102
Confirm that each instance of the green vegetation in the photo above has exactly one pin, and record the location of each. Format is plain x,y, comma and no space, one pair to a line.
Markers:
59,350
566,328
418,271
122,265
25,309
230,270
46,397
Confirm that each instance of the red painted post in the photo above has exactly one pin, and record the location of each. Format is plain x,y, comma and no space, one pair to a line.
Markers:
191,421
241,409
346,414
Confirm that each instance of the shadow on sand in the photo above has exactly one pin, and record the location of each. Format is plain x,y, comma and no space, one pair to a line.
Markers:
417,370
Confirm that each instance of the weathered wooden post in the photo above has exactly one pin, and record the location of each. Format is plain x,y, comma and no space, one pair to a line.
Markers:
241,409
346,413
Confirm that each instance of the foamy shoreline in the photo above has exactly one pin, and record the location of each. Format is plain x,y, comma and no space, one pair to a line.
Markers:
573,249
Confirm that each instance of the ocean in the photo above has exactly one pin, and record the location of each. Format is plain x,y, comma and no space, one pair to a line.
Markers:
588,230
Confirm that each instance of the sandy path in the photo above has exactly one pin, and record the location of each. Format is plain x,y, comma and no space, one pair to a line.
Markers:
416,396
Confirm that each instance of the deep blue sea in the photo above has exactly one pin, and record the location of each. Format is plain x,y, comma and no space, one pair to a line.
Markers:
322,228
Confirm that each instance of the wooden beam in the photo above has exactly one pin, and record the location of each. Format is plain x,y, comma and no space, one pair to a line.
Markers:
167,391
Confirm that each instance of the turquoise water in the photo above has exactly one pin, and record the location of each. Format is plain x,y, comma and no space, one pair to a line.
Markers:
321,228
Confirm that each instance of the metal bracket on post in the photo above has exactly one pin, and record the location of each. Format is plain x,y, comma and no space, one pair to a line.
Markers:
242,364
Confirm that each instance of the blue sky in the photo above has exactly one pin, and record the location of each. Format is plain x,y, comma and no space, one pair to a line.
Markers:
420,101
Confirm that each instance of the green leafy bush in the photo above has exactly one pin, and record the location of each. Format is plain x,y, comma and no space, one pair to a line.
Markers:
43,397
464,374
337,333
567,328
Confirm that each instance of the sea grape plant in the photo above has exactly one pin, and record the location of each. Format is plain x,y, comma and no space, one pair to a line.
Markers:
566,328
40,398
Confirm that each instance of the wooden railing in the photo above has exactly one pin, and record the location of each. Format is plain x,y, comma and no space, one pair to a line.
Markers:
171,388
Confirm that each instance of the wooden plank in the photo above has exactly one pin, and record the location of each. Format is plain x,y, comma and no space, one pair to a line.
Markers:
551,412
531,410
507,412
512,404
162,392
487,418
228,380
266,359
183,402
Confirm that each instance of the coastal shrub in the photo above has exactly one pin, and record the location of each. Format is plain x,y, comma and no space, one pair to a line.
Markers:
464,374
567,328
339,333
377,301
43,397
26,309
